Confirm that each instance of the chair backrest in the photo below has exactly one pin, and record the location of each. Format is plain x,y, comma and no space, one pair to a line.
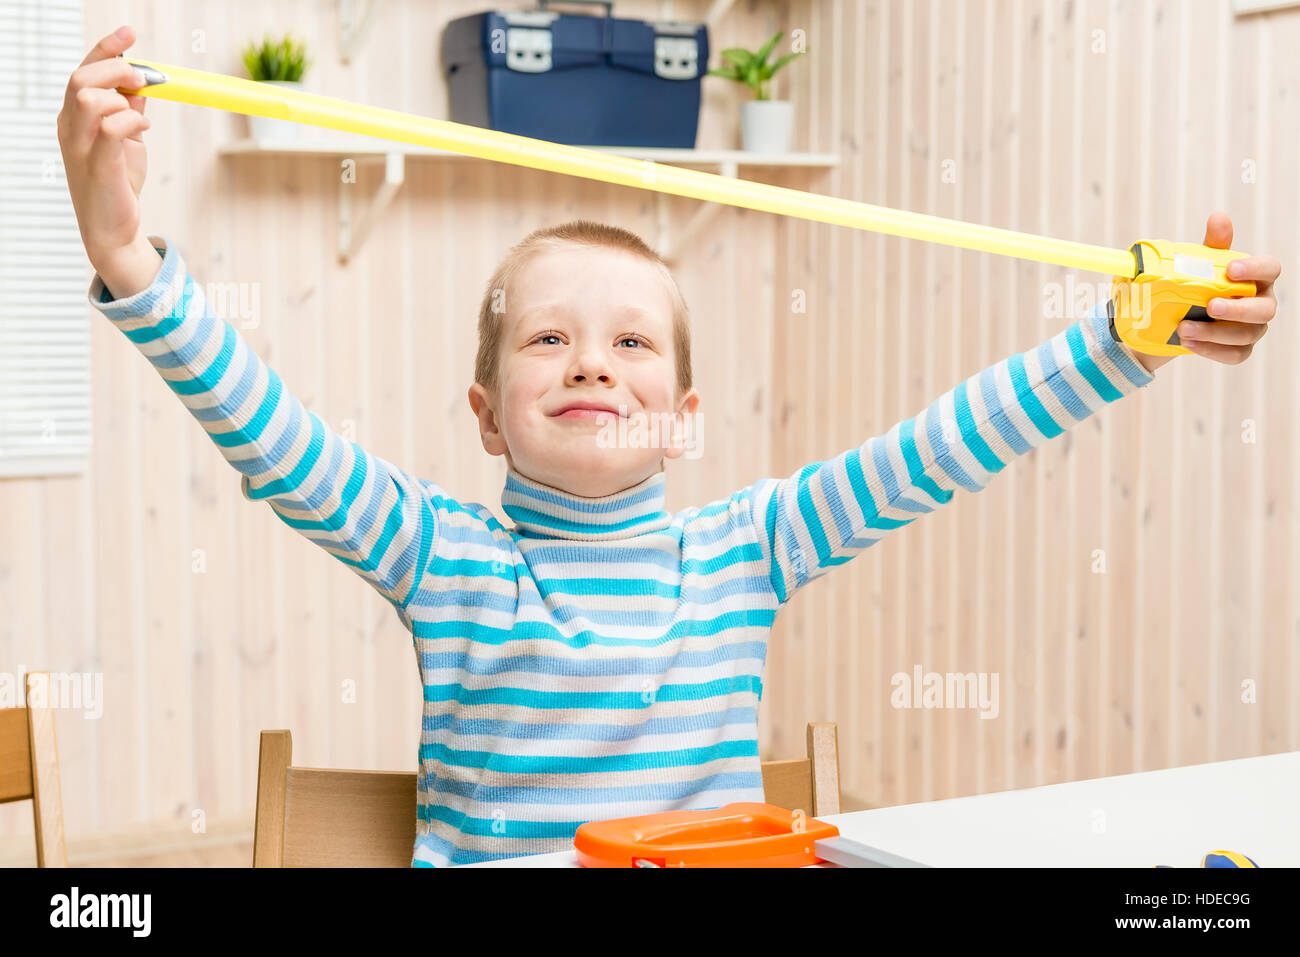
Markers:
810,784
318,817
29,767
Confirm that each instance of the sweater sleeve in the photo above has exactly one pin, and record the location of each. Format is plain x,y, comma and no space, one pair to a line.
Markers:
828,512
367,513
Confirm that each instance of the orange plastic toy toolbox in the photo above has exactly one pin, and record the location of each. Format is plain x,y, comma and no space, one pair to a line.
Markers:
743,834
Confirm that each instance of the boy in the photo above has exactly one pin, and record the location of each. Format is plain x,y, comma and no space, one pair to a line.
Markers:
602,657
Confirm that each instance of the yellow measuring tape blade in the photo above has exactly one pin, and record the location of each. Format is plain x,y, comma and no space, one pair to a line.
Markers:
238,95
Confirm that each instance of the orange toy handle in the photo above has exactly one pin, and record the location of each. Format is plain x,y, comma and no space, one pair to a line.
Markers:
742,834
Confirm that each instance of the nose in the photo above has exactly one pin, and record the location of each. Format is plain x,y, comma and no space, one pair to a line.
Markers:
591,365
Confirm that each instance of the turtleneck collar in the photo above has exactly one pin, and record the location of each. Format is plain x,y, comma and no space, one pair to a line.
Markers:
542,511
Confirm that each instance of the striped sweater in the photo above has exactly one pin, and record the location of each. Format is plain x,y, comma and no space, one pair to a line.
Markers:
601,657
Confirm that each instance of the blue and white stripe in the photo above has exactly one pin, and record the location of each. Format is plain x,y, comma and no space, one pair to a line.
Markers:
600,657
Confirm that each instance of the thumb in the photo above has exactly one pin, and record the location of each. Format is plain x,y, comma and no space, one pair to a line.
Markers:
1218,231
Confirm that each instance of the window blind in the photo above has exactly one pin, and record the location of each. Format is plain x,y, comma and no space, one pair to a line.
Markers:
44,317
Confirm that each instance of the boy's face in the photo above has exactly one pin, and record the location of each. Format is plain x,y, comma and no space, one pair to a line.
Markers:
584,325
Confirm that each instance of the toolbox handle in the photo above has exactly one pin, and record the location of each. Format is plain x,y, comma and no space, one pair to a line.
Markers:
607,4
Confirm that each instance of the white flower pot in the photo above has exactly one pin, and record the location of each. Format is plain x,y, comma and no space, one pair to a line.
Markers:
767,125
269,132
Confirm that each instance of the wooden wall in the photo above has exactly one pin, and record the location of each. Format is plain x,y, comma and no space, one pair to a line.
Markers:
1102,121
1136,668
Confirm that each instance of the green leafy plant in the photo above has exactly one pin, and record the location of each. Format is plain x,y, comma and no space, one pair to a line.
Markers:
276,60
751,68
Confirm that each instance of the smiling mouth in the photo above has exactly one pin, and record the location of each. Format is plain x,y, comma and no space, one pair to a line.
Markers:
581,415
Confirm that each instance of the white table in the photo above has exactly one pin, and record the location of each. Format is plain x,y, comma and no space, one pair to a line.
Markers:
1174,816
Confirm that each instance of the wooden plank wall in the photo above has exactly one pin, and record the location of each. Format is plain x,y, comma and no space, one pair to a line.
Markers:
1140,667
1102,121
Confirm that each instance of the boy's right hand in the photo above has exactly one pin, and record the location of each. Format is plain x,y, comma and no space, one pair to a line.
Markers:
104,160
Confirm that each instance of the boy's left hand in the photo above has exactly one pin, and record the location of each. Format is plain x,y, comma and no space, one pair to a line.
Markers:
1238,323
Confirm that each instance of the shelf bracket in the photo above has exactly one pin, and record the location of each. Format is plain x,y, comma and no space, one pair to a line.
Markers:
353,25
353,231
670,247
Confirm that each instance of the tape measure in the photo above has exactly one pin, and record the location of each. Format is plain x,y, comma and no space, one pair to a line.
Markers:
1157,283
1174,281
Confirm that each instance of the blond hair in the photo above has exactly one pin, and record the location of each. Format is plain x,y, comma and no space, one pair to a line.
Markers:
579,232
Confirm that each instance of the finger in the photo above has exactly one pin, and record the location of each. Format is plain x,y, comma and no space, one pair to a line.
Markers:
1218,231
93,104
119,126
1257,268
1230,355
111,45
1221,333
1252,309
108,75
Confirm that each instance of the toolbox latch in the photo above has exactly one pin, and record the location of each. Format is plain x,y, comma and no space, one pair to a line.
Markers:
528,50
676,58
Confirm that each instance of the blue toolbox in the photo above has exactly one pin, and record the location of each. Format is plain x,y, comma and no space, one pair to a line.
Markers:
577,79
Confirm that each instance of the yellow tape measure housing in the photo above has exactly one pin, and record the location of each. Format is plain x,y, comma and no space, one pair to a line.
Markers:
1174,281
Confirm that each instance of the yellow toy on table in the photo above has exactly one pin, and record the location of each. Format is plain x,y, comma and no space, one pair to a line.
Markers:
1222,859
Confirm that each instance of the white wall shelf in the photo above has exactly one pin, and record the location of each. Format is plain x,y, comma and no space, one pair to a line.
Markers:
354,228
1243,7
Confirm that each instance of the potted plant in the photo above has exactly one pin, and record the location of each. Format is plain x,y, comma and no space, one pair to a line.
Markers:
766,124
280,63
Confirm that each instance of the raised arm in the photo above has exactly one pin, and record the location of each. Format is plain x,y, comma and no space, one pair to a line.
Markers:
364,511
828,512
370,515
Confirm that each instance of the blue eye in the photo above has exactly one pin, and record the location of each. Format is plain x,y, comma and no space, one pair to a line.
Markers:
631,339
546,336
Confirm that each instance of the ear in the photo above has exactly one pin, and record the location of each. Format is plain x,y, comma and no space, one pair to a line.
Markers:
689,402
689,424
482,403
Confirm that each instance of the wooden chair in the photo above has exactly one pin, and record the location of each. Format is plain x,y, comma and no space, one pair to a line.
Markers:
317,817
29,768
